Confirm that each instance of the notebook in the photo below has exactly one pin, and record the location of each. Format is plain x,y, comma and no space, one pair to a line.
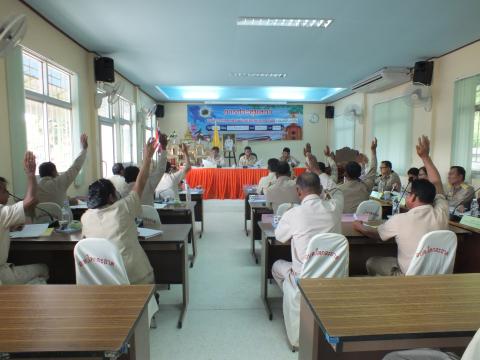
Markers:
148,233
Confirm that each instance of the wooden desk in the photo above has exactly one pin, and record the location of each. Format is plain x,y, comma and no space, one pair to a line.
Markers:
70,321
367,317
197,197
168,255
257,210
247,191
468,249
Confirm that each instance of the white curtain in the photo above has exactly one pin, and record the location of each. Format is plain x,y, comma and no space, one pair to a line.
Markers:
344,131
392,126
463,119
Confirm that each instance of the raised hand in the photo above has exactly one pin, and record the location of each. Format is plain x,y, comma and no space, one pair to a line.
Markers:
163,140
373,146
423,147
307,149
149,148
327,151
84,141
29,163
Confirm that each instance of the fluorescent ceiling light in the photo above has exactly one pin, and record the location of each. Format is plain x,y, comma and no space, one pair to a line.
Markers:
286,94
270,75
284,22
201,95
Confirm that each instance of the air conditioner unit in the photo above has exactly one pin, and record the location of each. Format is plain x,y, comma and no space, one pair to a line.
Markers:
384,79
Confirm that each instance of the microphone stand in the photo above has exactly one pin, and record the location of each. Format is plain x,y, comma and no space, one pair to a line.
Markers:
53,222
401,197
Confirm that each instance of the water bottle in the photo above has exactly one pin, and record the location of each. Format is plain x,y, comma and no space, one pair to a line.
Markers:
474,208
66,215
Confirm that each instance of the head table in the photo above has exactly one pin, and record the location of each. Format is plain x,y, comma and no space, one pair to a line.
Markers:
227,183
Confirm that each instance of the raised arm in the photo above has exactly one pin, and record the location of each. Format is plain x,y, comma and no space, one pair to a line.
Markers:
159,170
331,162
423,151
29,164
142,177
369,179
66,179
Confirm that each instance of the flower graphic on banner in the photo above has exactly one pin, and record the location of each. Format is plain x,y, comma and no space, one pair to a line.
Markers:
205,112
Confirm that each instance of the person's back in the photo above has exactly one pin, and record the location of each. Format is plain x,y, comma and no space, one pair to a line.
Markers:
284,190
270,179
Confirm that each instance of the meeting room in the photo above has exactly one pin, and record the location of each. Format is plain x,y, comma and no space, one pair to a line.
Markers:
219,180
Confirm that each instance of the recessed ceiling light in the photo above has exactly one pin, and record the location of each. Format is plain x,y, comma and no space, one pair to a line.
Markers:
274,75
288,22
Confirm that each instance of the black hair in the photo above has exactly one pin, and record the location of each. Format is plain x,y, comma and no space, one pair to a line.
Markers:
247,148
310,182
353,170
286,149
283,169
413,171
424,190
131,173
117,168
216,148
3,182
460,171
321,166
47,169
387,164
99,193
272,164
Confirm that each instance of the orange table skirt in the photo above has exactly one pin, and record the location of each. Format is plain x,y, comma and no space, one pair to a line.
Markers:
226,183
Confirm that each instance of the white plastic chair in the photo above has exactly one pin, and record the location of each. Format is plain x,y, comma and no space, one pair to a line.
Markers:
435,254
370,207
150,216
326,257
98,262
50,208
283,208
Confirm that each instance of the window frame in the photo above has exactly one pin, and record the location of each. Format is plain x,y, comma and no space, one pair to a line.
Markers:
476,173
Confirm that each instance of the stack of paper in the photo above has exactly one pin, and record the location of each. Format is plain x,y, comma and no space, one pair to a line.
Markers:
30,231
148,233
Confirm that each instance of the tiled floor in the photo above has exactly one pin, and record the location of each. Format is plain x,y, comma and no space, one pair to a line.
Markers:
226,317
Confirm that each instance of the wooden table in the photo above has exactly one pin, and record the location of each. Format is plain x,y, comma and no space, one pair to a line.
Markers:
71,321
360,249
197,197
257,210
468,249
366,317
167,253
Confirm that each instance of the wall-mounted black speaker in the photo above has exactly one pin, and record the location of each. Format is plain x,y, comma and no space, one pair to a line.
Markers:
329,112
423,72
104,70
159,111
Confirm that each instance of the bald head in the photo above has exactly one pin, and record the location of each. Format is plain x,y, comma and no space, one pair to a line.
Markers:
308,184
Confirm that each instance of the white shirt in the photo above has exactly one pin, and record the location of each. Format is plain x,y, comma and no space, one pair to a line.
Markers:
154,179
265,182
116,223
120,185
168,186
283,191
219,160
10,215
408,228
55,189
301,223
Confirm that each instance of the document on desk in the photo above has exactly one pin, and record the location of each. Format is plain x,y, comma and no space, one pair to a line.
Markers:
30,231
79,206
148,233
159,206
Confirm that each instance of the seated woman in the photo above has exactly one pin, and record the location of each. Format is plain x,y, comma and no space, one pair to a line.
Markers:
168,185
113,219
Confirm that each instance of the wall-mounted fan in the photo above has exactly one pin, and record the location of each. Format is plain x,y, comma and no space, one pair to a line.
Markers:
12,31
354,112
146,111
111,91
419,95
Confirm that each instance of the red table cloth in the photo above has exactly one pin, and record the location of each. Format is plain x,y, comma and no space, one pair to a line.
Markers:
226,183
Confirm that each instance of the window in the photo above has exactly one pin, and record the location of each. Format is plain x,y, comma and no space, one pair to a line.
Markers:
48,111
392,126
344,128
149,127
476,133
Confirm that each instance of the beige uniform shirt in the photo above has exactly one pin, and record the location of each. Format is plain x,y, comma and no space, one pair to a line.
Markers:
460,195
283,191
219,160
329,181
386,183
168,186
10,215
247,162
265,182
116,223
408,228
55,189
314,216
120,185
291,161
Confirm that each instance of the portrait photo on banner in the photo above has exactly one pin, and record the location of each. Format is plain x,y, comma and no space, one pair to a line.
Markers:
229,141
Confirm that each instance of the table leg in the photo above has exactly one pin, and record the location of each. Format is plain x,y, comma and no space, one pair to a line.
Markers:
141,337
194,242
252,245
185,286
308,333
264,274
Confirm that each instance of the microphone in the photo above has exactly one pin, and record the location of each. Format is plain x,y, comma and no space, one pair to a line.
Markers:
53,222
457,218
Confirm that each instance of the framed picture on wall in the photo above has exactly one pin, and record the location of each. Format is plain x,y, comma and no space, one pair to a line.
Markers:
228,142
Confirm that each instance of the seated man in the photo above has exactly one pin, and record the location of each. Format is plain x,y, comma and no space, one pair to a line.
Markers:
53,187
327,181
114,220
131,173
459,193
168,185
118,179
354,189
271,178
289,158
284,190
216,158
247,159
388,179
299,224
428,212
14,215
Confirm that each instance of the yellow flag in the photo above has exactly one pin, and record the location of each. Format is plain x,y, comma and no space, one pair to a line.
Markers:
216,136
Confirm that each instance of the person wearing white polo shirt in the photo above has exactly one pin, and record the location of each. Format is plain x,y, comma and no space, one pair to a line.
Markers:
168,185
271,178
283,190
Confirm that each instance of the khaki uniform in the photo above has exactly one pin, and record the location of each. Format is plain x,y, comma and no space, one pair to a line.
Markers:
300,224
291,161
283,191
120,185
219,160
116,223
387,183
168,186
9,274
247,162
55,189
460,195
408,229
265,182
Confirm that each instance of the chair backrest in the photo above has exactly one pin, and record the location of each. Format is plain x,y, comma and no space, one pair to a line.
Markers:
150,216
98,262
49,208
372,208
283,208
435,254
326,256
